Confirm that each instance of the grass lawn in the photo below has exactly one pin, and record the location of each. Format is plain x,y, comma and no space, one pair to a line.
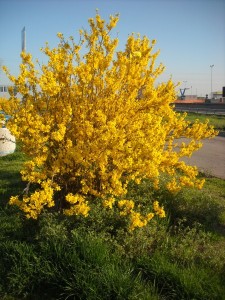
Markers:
57,257
217,121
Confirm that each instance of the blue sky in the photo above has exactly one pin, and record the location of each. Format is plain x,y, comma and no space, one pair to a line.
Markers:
190,33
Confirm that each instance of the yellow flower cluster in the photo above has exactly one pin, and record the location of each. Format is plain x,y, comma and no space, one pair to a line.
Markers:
79,205
33,205
93,119
126,206
109,202
159,211
136,219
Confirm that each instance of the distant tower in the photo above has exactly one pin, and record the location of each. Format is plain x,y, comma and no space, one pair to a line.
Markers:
23,39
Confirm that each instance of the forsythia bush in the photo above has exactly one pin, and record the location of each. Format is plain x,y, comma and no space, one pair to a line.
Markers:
91,120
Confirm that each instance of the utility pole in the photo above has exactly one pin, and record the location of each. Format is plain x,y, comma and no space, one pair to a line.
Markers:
23,39
211,66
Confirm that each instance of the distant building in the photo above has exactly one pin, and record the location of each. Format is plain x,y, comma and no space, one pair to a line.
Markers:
217,96
4,91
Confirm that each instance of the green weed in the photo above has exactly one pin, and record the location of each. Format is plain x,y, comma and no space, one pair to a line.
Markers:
59,257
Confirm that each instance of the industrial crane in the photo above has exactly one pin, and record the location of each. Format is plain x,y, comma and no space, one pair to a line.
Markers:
182,92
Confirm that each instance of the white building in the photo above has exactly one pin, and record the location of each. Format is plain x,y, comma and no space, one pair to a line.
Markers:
4,91
217,97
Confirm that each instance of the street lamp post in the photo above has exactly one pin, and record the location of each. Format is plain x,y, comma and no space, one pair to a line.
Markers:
211,66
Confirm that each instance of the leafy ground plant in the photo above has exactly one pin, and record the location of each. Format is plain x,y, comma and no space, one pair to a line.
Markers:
61,257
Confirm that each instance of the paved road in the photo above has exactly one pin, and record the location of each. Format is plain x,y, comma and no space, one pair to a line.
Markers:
211,157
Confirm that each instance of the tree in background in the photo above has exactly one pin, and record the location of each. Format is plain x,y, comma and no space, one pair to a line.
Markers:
92,119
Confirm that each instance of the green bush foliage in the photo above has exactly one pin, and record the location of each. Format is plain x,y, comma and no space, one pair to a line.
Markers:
60,257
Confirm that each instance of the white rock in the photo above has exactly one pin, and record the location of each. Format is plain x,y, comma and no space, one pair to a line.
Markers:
7,142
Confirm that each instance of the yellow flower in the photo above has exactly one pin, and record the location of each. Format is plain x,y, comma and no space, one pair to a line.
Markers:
136,54
158,210
109,202
126,206
79,205
92,119
60,35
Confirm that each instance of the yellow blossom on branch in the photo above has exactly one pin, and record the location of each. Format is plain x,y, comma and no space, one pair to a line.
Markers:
92,119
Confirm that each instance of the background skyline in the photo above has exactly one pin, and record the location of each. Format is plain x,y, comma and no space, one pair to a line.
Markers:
190,33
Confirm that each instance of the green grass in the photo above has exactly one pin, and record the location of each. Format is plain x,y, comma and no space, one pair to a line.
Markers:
57,257
217,121
10,179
